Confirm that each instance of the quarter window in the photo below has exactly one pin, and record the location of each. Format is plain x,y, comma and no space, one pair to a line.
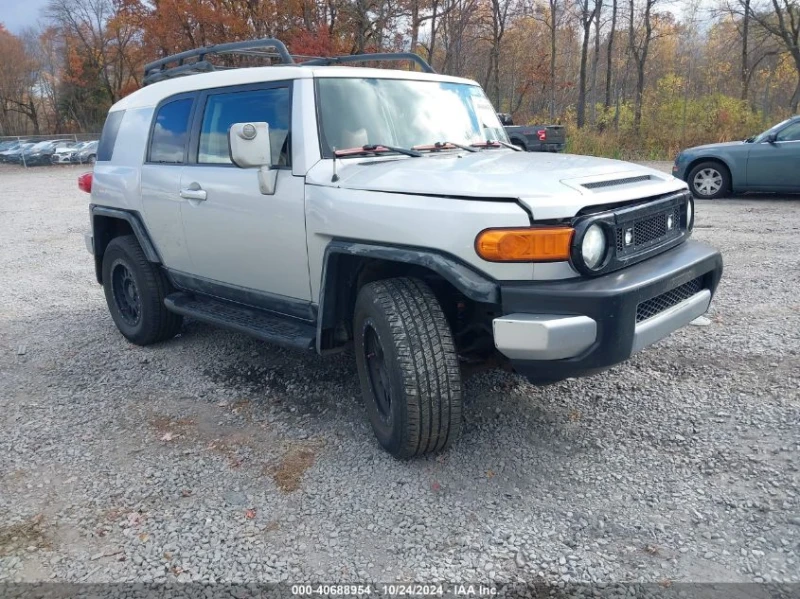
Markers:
108,137
171,132
223,110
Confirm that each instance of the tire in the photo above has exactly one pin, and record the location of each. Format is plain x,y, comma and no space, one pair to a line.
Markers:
709,180
404,345
520,144
92,159
135,290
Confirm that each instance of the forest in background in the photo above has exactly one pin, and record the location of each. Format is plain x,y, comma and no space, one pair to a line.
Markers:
629,78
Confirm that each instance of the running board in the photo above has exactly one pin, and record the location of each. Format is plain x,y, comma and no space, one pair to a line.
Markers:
252,321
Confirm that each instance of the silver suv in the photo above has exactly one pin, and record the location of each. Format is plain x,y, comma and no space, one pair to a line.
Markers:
324,207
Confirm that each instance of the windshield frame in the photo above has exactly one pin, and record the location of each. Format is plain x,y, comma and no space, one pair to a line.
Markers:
327,153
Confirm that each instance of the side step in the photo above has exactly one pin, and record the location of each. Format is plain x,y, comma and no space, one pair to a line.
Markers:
258,323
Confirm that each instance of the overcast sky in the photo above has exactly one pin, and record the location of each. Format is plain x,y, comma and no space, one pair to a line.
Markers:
16,15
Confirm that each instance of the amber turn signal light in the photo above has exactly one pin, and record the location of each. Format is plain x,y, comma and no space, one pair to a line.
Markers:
539,244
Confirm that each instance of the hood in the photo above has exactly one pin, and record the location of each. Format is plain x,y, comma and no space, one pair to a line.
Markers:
549,185
717,146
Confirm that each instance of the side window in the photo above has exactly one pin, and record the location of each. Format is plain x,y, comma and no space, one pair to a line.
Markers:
790,133
170,132
223,110
109,135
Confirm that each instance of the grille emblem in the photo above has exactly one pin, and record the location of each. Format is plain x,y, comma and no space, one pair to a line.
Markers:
670,222
628,236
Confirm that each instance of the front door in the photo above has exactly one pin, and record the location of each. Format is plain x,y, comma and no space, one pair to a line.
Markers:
244,245
774,166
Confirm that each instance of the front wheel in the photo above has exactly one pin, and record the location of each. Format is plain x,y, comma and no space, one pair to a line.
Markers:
709,181
408,367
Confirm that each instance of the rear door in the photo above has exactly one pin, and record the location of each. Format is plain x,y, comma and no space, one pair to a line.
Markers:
167,149
774,166
246,246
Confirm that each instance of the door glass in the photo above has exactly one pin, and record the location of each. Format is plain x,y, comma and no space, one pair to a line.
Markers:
171,131
223,110
790,133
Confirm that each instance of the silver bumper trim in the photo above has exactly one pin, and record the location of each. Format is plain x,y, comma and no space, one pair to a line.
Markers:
662,324
543,336
88,239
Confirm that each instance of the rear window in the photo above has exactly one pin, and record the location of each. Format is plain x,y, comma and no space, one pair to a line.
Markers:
170,132
108,137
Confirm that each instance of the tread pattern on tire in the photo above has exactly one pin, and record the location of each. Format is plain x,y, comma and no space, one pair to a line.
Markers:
164,324
428,363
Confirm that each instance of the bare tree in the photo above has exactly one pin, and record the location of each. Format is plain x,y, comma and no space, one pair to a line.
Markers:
781,19
586,11
640,35
549,13
610,54
595,61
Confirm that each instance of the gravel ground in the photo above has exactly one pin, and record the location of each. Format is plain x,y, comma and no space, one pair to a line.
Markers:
214,457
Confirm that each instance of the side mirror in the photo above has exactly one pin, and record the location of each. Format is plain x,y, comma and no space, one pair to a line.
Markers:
772,138
249,146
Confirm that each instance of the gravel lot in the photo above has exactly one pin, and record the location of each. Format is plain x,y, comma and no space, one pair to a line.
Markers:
214,457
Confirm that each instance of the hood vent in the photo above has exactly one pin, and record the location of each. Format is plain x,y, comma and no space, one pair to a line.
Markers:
615,182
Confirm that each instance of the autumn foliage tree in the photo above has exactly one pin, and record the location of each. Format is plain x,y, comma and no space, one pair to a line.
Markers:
636,76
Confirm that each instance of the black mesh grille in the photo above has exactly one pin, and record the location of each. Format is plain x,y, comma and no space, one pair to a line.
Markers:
666,300
649,231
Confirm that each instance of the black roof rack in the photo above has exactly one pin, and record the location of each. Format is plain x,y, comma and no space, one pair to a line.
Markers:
415,58
159,70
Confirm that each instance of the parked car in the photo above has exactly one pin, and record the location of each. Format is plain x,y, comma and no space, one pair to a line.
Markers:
15,156
9,144
14,148
399,221
41,152
765,162
62,155
535,138
87,153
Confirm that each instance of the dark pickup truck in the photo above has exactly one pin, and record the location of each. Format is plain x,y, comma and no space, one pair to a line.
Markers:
535,138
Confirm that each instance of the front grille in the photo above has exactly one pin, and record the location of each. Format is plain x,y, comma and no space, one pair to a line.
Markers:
649,231
662,302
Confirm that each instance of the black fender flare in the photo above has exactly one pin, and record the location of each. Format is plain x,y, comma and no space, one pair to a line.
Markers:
466,279
101,236
134,219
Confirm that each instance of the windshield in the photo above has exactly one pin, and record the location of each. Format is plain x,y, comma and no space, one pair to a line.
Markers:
42,145
394,112
763,136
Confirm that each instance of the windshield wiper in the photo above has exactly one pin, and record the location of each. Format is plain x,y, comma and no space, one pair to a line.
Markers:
375,149
444,145
495,143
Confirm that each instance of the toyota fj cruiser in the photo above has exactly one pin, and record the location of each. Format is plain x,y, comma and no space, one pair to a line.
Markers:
321,207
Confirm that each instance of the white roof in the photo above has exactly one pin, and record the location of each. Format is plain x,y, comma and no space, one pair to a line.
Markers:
152,94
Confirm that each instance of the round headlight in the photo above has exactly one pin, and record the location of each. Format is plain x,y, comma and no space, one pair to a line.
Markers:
689,213
593,246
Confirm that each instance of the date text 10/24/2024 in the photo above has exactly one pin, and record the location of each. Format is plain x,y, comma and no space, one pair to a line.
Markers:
394,590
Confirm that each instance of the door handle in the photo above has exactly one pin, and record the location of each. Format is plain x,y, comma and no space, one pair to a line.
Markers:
189,193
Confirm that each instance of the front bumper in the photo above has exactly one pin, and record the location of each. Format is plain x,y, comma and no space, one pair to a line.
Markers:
679,169
549,147
559,329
